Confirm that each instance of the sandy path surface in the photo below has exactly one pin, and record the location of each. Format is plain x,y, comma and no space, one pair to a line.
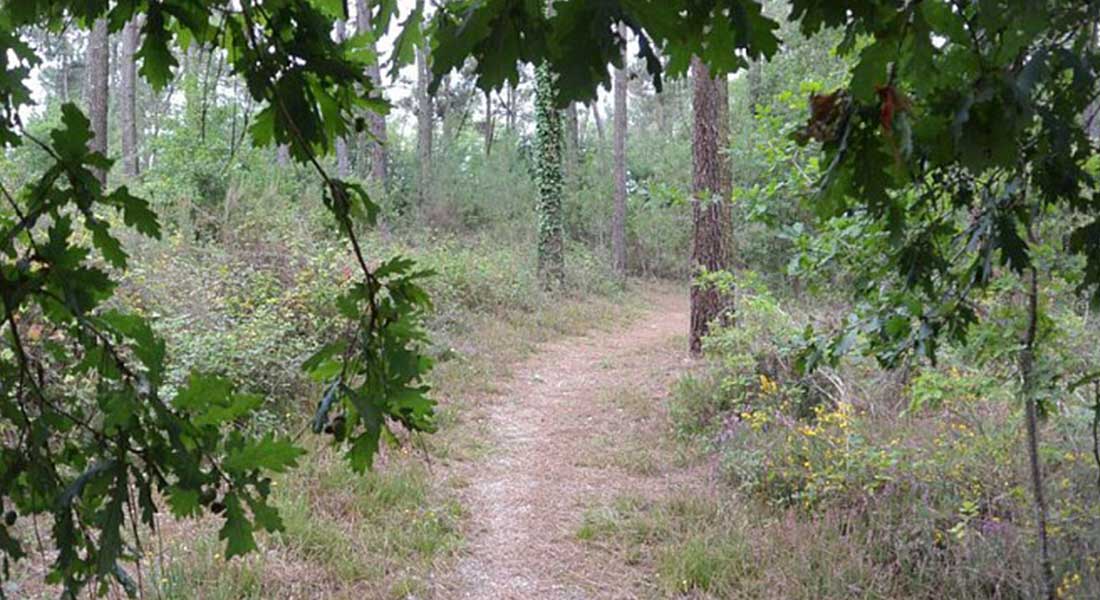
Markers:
528,494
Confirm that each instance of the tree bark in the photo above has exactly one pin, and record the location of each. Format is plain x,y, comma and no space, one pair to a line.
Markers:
1031,418
128,104
599,121
548,148
424,117
98,74
490,123
511,109
618,217
726,174
376,122
572,144
343,164
709,253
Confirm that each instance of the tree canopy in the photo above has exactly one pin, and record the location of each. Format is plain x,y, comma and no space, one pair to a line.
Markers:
963,124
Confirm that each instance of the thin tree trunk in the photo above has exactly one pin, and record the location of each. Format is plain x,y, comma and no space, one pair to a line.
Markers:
511,109
548,147
98,74
490,123
618,217
424,117
424,120
282,156
754,75
726,165
709,253
64,42
572,144
1031,416
343,164
599,121
128,104
377,122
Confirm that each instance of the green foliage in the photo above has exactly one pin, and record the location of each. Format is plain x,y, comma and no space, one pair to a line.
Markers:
958,152
71,358
900,482
581,38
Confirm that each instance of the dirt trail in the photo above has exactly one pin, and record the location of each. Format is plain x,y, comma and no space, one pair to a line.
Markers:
527,496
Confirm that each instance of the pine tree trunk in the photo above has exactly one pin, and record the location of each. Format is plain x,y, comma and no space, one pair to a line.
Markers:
98,74
490,123
548,148
709,253
618,217
376,121
599,121
726,166
511,109
343,164
128,104
424,118
572,144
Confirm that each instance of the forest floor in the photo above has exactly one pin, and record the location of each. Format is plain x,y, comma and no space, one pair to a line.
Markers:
576,425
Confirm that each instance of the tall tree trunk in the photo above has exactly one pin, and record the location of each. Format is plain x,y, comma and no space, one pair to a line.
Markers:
548,148
726,165
99,72
424,117
64,42
282,156
572,144
511,109
128,104
490,123
376,121
754,76
708,253
343,164
618,217
599,121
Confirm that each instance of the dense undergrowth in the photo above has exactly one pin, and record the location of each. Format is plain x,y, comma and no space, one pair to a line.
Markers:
854,481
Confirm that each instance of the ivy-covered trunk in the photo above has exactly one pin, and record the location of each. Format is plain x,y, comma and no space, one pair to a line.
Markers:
709,252
548,176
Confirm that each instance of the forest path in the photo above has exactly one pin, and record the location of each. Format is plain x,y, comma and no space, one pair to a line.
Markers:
551,428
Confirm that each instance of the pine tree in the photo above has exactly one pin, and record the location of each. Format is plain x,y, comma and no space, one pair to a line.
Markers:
99,73
709,252
128,104
618,217
376,121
